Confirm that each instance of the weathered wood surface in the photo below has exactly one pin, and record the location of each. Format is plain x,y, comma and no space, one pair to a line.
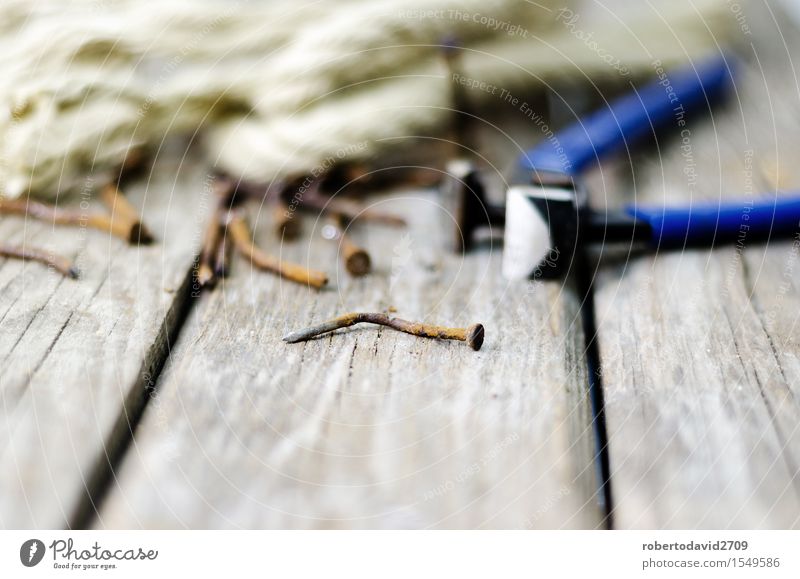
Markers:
368,427
77,355
371,428
699,350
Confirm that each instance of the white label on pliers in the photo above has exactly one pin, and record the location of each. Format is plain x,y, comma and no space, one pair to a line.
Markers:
527,235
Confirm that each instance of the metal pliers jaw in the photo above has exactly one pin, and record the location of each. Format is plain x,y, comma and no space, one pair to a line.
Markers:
548,220
543,224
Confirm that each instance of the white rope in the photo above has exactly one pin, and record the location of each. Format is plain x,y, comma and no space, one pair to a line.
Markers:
281,87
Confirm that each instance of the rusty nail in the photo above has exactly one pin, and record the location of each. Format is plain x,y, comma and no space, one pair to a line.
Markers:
356,259
472,335
122,210
61,264
243,243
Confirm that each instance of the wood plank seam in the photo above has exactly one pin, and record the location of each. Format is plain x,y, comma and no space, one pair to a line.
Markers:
689,455
80,356
134,405
595,394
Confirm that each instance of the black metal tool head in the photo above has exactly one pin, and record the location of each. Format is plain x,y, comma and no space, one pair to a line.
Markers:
464,187
543,216
463,196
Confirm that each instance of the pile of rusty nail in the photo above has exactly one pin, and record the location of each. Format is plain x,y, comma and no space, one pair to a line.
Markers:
229,222
228,230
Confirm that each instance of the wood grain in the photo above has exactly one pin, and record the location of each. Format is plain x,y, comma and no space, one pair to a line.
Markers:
78,355
368,427
698,347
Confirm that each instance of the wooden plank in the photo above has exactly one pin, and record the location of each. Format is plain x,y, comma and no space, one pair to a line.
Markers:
698,347
77,355
369,427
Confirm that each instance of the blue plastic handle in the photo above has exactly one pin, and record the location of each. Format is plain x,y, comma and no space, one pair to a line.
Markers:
707,223
631,117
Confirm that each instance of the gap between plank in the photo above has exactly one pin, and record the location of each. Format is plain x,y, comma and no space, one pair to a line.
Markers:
101,477
595,385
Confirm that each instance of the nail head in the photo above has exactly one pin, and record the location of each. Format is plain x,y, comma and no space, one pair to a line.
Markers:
475,335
